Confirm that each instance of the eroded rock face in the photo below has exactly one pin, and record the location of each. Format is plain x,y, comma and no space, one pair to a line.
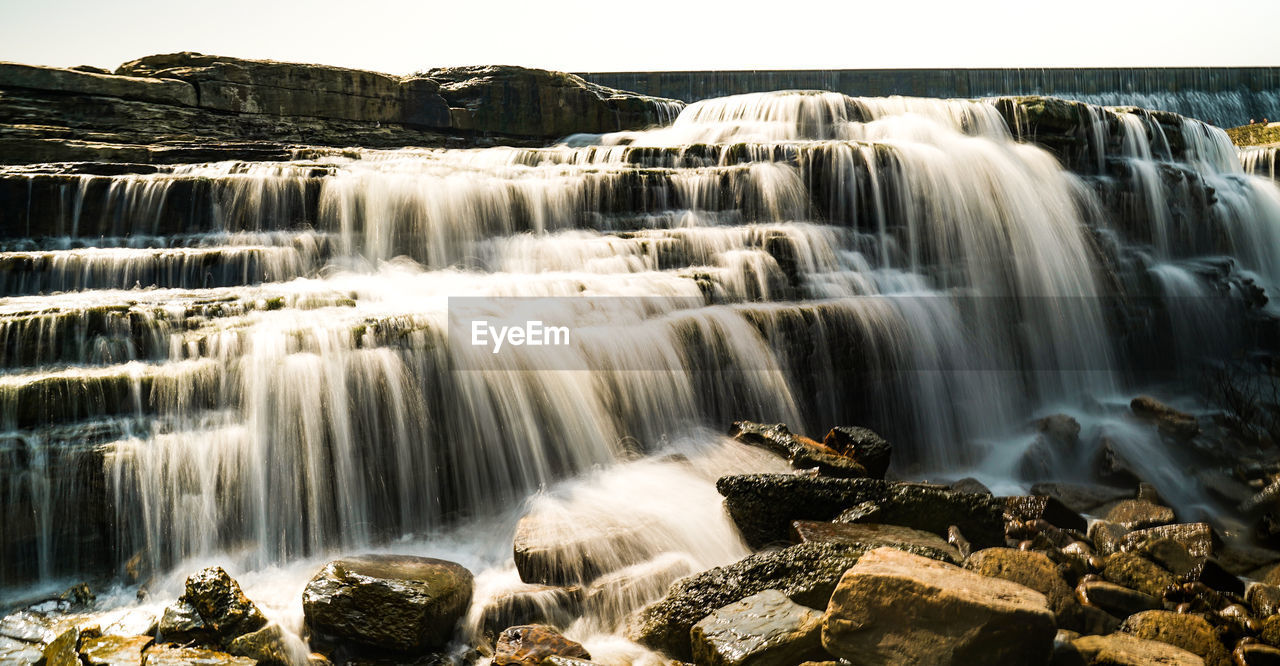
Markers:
765,628
763,506
399,603
529,645
806,573
1184,630
897,608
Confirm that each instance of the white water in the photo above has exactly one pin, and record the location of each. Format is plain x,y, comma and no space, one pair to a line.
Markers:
809,258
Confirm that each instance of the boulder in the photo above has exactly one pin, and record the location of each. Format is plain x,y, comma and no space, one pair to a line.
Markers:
222,605
1184,630
552,548
530,644
763,506
269,646
801,452
762,629
1170,421
172,655
1107,537
34,77
539,103
1115,599
1032,570
64,650
1079,497
872,535
1173,556
1138,573
897,608
863,445
114,650
394,602
1044,507
806,573
1127,650
1256,654
1137,514
181,623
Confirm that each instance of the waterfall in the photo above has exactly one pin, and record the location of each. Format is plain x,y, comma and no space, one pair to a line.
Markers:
262,359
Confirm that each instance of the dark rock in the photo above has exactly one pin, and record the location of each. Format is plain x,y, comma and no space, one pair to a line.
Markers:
763,506
531,604
1184,630
1112,467
1081,498
1097,622
1213,575
181,623
1169,554
971,485
763,628
1197,538
530,644
1263,598
806,573
1115,599
1064,653
218,599
1242,560
1127,650
393,602
1138,514
1044,507
864,446
801,452
871,535
897,608
1136,572
1170,421
1256,654
1107,537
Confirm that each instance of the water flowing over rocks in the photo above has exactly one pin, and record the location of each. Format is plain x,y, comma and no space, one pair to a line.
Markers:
897,608
397,603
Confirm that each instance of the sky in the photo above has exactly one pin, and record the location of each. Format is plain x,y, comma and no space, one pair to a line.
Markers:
600,35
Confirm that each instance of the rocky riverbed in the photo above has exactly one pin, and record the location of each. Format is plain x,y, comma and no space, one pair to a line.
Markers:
844,566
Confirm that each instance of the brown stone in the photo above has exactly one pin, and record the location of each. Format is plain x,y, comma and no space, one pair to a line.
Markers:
873,535
530,644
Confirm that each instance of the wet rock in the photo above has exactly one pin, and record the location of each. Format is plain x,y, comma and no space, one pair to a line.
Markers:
865,512
1081,498
1184,630
1121,649
1270,630
971,485
530,604
1115,599
1107,537
530,644
64,650
1138,514
172,655
1210,573
871,535
763,506
1064,653
1196,538
897,608
806,573
764,628
612,596
1097,622
866,447
1168,553
1032,570
1043,507
268,645
801,452
1242,560
1136,572
1170,421
1263,598
217,597
1256,654
553,549
114,650
394,602
1111,466
180,622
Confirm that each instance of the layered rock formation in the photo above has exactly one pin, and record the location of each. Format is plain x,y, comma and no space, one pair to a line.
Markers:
186,107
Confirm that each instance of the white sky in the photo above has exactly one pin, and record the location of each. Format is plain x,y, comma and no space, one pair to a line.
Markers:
401,37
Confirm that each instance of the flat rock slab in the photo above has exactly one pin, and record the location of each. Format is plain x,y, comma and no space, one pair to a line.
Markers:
897,608
172,655
1126,650
874,535
114,650
400,603
761,630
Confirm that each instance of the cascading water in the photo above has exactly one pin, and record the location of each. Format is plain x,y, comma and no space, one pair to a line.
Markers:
253,363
